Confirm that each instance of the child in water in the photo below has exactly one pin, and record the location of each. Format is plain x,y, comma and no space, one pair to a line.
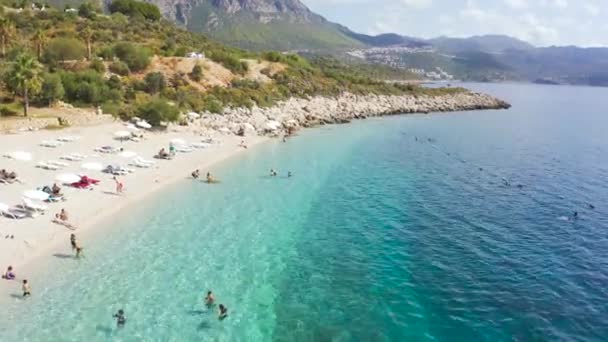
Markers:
120,318
27,291
223,312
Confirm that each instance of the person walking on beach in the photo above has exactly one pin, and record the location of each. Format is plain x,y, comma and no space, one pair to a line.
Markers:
209,299
120,318
223,312
119,186
73,241
27,291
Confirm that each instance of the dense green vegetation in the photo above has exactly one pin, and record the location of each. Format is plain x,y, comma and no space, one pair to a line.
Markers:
91,59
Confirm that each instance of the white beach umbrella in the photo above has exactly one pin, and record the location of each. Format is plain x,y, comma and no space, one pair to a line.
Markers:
67,178
92,166
143,124
127,154
20,155
122,135
36,195
178,141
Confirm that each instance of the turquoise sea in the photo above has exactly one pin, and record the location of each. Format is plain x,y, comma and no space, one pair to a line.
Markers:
440,227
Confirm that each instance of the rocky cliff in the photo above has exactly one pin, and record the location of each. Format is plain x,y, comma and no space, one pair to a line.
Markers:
296,113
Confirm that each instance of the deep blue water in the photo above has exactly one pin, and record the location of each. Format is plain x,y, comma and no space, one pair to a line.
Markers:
392,229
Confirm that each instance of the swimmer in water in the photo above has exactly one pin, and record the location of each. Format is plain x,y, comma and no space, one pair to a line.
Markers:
209,299
591,206
120,318
575,215
289,174
273,173
209,178
223,312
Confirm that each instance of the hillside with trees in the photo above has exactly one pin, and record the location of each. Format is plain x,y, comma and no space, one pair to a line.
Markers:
132,60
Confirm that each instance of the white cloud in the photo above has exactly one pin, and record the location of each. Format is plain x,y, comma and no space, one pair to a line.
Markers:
418,3
518,4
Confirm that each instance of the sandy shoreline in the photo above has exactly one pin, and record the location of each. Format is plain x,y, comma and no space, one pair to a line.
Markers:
38,238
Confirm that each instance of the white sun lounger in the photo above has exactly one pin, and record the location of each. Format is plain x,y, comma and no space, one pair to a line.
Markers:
34,207
140,162
73,157
200,145
13,213
51,143
46,166
57,163
183,149
68,138
107,149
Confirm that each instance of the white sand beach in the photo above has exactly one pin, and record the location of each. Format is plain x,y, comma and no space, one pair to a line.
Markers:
38,236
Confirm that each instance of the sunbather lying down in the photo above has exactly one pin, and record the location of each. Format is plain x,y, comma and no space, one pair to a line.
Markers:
62,219
8,177
163,154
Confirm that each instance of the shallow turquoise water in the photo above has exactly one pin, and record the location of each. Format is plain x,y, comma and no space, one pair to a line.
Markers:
377,237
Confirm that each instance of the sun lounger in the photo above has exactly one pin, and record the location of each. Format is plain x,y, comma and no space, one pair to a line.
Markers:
46,166
57,163
200,145
117,170
107,149
33,207
183,149
13,213
68,138
51,143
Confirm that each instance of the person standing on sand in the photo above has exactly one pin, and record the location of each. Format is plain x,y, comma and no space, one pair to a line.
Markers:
73,241
119,186
27,291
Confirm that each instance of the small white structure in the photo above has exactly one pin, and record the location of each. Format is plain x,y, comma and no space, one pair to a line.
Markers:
196,55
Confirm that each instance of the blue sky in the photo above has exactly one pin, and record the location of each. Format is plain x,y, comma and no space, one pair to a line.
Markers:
540,22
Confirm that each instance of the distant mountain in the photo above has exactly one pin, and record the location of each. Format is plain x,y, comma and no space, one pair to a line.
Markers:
259,24
290,25
487,43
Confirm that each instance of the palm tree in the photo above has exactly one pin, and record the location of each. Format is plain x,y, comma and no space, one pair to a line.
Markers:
87,35
40,40
25,78
7,31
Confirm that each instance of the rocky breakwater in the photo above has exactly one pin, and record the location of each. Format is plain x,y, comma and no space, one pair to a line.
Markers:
295,113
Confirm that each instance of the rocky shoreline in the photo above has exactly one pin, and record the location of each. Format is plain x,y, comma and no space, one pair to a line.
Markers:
295,113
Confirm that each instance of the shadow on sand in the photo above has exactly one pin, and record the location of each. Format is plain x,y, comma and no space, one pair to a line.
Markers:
64,256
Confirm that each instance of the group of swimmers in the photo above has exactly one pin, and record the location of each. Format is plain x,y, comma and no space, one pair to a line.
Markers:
197,173
210,302
121,318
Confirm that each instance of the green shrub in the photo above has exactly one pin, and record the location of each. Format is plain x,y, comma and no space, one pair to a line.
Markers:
88,10
6,111
120,68
157,111
154,83
136,57
272,56
64,49
97,65
197,73
134,8
85,87
229,61
52,89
